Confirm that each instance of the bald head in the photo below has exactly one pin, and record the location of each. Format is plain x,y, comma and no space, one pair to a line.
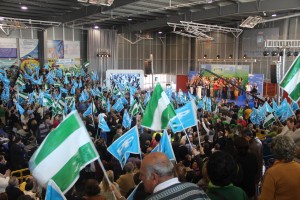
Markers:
155,169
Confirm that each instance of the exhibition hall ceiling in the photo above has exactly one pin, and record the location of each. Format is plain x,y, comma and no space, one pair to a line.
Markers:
142,15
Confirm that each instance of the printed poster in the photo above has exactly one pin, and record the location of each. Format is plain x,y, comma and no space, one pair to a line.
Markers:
55,49
8,48
29,48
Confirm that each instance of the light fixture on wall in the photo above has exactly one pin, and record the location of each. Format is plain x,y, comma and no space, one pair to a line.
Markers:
266,53
245,56
205,56
230,56
218,56
296,53
96,27
274,53
289,53
103,53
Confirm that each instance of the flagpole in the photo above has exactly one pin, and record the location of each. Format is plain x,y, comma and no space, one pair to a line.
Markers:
185,133
198,133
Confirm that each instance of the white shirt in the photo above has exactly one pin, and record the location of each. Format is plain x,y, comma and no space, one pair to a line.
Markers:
166,184
3,183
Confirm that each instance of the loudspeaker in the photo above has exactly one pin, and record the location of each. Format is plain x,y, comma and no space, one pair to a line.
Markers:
273,74
147,67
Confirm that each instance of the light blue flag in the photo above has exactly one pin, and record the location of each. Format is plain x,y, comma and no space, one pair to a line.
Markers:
59,73
125,145
281,109
186,117
267,107
132,90
83,97
80,84
46,66
295,106
63,90
208,104
102,123
147,98
274,105
201,104
95,76
83,72
254,116
53,192
288,112
88,111
165,146
66,80
191,97
126,120
118,106
73,106
124,100
108,105
20,109
131,100
37,70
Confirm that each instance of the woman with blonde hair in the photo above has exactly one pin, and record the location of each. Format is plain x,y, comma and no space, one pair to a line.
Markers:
104,185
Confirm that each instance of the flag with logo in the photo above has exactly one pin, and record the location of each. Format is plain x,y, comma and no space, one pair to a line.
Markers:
88,111
291,80
125,145
102,123
64,152
20,109
126,120
165,146
53,192
118,106
270,119
295,106
159,110
186,116
274,105
267,107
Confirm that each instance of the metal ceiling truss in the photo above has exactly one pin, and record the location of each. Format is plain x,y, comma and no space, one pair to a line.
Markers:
191,29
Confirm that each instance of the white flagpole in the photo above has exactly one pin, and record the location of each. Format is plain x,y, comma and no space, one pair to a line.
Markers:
198,133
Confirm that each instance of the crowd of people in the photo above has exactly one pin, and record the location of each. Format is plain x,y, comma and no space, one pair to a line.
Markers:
230,162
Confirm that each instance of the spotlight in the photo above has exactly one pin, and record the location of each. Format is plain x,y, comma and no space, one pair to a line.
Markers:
24,7
288,54
281,53
274,53
218,56
266,53
230,56
129,19
96,27
296,53
205,56
274,15
245,56
159,32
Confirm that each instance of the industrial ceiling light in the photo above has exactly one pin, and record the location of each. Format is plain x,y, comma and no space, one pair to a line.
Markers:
96,27
288,54
274,15
274,53
205,56
160,32
266,53
245,56
281,53
24,7
230,56
129,19
250,22
296,53
218,56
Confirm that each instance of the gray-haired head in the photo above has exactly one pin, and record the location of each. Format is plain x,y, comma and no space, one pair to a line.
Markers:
283,148
160,165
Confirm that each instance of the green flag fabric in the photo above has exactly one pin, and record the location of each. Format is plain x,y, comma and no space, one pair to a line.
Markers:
159,110
64,152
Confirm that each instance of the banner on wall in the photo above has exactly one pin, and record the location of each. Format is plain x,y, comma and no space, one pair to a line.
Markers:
6,63
8,48
227,71
29,48
72,51
55,49
257,79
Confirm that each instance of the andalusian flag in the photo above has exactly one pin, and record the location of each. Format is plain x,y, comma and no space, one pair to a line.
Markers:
64,152
86,64
270,119
159,110
291,81
23,95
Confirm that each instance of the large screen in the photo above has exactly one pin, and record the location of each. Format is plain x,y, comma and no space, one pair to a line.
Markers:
134,78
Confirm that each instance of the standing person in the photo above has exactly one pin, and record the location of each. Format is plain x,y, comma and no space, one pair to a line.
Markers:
157,174
248,90
281,181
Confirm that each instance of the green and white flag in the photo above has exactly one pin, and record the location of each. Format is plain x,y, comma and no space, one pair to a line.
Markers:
291,80
86,64
20,81
159,110
47,101
270,119
135,108
23,95
64,152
